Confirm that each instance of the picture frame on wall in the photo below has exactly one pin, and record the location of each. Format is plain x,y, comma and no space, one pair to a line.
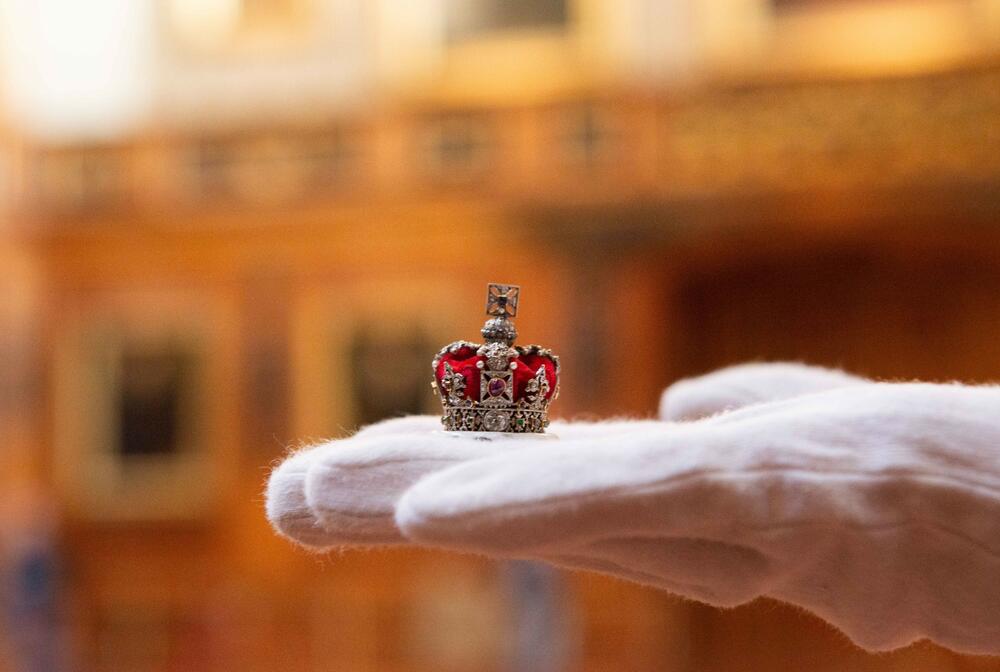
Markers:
387,370
136,412
363,353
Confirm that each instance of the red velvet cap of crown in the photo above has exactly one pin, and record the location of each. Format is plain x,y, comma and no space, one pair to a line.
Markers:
464,361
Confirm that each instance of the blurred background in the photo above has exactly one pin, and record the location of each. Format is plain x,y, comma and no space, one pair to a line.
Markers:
231,227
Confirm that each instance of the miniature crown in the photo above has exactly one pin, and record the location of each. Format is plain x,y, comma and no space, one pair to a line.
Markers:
496,386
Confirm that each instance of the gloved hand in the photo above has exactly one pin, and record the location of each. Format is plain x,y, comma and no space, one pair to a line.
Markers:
874,505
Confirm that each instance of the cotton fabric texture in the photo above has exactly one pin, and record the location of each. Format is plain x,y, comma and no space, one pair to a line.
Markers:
874,505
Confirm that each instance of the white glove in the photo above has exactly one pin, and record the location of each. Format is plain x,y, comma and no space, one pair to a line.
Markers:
357,481
875,506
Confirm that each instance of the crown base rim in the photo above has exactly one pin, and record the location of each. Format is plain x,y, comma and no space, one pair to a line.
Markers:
509,420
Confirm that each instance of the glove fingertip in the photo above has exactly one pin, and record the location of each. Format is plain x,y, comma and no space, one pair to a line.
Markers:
462,509
424,517
742,385
413,518
685,401
285,504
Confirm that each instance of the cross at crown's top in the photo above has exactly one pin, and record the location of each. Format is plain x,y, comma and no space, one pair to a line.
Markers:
501,300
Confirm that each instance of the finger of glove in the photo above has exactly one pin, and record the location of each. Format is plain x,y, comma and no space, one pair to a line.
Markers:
285,503
368,518
774,467
353,490
285,500
739,386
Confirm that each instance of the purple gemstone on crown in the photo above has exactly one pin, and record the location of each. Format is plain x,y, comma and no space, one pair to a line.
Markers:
496,387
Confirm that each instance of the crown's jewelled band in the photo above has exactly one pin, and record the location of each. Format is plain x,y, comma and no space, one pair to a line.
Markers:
483,419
